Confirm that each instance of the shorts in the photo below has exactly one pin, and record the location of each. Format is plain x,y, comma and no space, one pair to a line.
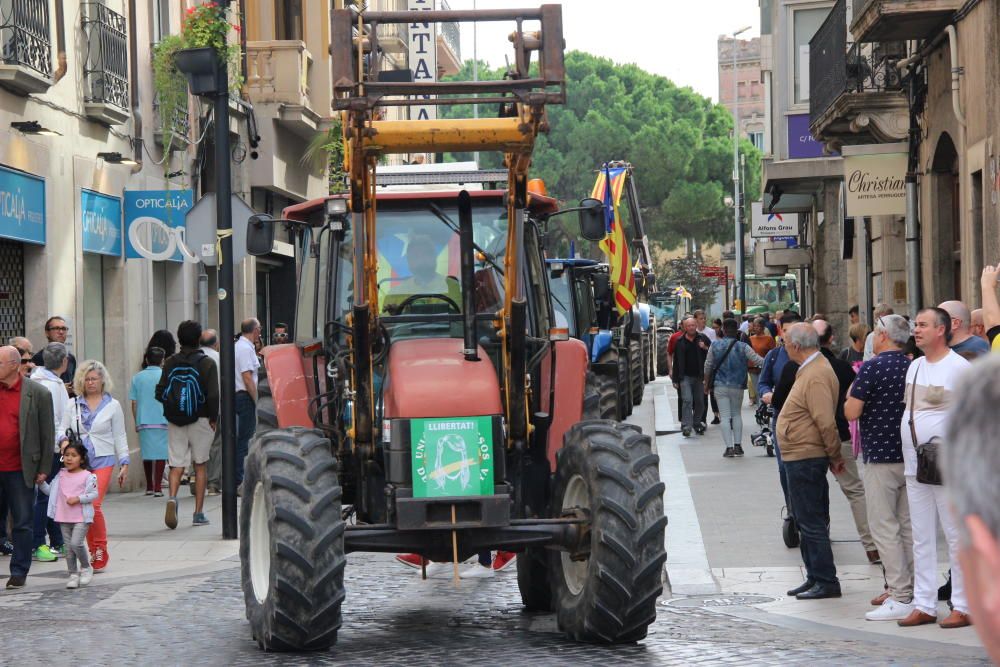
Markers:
191,442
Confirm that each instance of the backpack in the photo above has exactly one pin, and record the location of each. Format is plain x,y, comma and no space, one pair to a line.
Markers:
183,395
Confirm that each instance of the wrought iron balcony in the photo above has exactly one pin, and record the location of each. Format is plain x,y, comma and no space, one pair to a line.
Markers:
449,45
105,66
180,121
856,93
895,20
25,49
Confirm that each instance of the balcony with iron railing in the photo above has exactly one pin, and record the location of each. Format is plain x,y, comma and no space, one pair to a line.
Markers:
171,128
25,46
449,45
856,92
895,20
278,74
105,64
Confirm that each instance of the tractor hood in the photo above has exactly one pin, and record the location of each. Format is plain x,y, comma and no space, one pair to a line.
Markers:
429,377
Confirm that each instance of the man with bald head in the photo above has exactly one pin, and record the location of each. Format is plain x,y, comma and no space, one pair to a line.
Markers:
27,431
688,375
962,341
978,326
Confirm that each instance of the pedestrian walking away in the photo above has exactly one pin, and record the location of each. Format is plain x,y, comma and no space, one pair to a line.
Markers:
930,384
688,376
726,372
210,346
71,503
876,401
55,358
150,423
247,364
26,436
189,392
807,430
96,418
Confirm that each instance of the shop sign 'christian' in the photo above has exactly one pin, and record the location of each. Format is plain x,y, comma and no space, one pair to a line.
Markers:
22,206
875,183
423,56
154,220
101,216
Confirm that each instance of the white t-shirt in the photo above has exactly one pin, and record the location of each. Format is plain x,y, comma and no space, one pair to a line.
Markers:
709,333
935,386
246,360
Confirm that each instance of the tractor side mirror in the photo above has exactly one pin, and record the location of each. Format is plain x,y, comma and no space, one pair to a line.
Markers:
592,224
260,234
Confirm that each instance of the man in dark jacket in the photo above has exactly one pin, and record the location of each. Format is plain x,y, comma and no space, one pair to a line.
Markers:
688,375
27,431
191,374
850,479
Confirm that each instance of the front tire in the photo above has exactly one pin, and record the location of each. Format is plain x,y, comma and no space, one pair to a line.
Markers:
292,541
662,361
609,472
533,579
635,370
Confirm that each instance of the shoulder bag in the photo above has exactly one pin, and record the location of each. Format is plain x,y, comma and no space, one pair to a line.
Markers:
710,380
928,471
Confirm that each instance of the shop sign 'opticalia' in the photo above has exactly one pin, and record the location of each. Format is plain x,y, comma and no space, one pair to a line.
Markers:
452,457
101,217
22,206
875,180
154,223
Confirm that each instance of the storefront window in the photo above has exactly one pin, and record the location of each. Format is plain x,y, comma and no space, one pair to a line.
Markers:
805,23
93,306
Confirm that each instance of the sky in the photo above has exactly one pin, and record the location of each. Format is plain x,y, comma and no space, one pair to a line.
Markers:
674,38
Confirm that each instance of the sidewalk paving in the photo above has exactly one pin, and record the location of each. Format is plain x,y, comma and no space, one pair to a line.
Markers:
736,521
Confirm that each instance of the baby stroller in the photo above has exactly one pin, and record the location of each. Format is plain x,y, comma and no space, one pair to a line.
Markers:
765,438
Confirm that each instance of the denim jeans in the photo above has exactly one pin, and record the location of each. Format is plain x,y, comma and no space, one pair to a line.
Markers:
41,523
810,496
20,501
693,397
246,424
730,413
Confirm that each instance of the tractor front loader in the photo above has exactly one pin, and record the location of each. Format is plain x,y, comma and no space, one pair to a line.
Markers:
429,403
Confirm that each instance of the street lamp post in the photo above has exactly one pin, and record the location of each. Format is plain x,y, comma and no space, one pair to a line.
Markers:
737,222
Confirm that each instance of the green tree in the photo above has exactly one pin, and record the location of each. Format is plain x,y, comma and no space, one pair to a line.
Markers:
686,272
679,142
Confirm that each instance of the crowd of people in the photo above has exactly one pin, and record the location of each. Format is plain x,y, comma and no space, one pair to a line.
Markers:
898,398
63,436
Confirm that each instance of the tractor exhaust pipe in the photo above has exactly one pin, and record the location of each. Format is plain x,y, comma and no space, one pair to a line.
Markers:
466,249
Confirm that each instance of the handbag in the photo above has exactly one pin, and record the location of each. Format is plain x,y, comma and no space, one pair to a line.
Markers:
928,471
710,380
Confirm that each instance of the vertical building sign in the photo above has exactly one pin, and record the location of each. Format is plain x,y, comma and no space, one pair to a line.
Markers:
423,57
102,223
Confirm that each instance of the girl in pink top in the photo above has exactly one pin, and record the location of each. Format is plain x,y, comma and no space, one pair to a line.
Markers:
71,497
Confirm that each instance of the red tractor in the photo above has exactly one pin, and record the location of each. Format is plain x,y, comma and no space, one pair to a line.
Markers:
429,404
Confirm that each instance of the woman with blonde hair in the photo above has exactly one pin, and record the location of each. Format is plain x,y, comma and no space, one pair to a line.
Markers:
98,422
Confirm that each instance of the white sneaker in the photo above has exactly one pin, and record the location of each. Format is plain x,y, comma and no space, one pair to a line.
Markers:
439,570
477,572
891,610
74,581
86,575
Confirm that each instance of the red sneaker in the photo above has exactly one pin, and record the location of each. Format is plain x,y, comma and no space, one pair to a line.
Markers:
412,560
503,560
100,559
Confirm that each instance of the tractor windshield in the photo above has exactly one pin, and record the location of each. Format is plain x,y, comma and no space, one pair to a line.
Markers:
562,301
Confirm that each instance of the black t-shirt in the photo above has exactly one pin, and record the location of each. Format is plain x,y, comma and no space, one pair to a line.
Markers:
845,376
784,385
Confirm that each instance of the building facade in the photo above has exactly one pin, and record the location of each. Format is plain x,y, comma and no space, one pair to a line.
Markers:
749,89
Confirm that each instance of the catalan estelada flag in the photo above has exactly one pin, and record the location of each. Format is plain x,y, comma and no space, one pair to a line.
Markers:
608,188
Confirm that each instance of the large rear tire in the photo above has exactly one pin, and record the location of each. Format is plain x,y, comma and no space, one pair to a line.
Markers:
610,473
267,416
292,541
635,370
605,405
662,358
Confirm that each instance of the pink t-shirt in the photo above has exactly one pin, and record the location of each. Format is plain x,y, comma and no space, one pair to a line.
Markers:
71,484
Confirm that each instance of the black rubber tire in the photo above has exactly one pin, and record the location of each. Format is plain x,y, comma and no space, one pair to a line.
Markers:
533,579
624,386
790,533
601,399
770,450
296,472
635,370
650,355
662,359
616,600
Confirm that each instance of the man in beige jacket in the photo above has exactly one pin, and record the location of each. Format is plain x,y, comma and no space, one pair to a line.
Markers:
810,444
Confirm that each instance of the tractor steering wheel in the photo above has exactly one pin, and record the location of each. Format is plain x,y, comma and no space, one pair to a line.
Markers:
440,297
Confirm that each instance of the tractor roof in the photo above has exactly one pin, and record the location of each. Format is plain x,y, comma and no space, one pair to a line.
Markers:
576,261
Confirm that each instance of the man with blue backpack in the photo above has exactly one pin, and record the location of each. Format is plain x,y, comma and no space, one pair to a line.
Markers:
189,392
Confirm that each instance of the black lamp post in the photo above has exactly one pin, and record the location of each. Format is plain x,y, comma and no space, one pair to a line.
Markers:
208,76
